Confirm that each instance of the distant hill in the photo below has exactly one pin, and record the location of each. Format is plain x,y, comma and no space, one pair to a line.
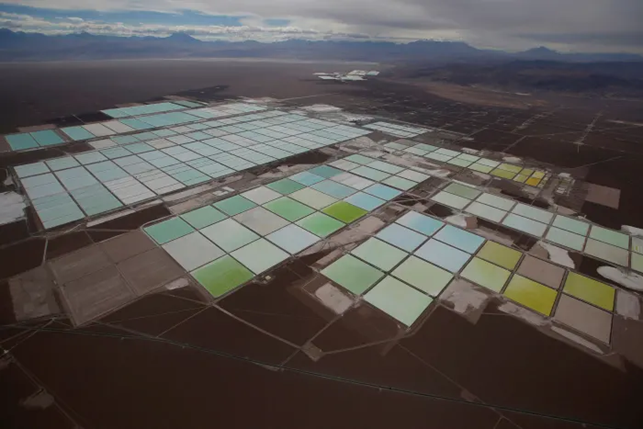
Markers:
546,54
20,46
182,38
621,79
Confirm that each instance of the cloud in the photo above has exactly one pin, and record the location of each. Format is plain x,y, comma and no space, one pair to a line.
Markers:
584,25
268,33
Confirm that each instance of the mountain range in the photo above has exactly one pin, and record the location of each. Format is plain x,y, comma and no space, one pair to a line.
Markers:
21,46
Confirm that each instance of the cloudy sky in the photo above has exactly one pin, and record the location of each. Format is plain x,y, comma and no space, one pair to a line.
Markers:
566,25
